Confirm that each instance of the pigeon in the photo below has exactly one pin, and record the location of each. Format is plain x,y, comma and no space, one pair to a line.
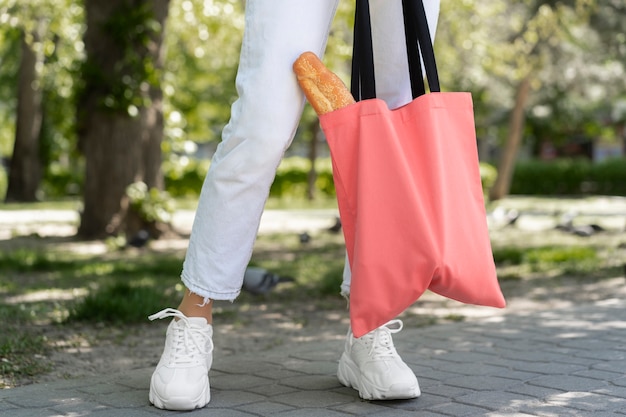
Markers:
335,228
140,239
583,231
261,281
566,224
304,237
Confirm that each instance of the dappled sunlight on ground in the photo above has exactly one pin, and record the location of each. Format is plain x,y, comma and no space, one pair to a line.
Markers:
259,324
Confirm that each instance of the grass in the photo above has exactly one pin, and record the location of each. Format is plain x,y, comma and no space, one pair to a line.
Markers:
121,302
557,261
22,349
547,257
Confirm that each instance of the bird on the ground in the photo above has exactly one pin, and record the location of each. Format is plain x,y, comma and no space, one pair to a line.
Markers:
261,281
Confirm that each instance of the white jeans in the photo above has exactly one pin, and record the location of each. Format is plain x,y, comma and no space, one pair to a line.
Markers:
263,123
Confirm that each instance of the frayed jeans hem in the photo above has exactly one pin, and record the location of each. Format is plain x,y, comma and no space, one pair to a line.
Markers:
210,295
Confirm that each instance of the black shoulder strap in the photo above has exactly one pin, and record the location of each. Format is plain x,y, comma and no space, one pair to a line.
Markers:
418,40
362,83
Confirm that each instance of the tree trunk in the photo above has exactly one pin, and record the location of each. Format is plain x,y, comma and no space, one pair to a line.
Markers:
502,185
25,168
121,140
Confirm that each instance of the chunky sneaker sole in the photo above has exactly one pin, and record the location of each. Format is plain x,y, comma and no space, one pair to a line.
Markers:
180,381
350,376
181,403
371,365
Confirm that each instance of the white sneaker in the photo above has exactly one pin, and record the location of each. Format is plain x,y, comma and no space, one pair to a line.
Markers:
371,365
181,378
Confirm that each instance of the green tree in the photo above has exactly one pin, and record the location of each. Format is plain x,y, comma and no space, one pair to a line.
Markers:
121,112
203,41
51,43
509,52
25,167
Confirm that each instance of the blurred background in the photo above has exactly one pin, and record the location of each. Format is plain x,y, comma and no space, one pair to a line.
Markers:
125,101
111,110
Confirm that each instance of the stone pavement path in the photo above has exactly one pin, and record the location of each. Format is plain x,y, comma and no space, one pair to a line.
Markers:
563,362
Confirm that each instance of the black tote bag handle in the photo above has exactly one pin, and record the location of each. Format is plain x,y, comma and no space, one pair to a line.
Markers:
417,37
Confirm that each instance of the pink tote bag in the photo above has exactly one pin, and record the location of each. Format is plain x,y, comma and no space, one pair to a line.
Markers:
409,191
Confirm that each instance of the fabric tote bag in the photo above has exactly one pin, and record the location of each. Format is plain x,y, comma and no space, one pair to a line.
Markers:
408,187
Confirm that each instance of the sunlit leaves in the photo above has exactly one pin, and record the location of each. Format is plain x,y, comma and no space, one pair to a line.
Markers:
203,40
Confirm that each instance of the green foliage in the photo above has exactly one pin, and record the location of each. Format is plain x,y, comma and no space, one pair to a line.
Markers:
574,51
153,205
202,44
569,177
292,178
63,179
608,178
576,79
59,24
9,49
184,176
131,29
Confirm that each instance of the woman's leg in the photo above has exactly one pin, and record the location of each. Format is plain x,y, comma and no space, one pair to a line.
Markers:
262,125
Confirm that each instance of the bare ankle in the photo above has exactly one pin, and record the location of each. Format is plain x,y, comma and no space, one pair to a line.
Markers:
194,305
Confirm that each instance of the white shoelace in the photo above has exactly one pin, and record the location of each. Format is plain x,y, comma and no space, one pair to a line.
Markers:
381,340
190,344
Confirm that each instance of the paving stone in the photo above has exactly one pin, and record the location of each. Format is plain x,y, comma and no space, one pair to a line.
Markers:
563,362
587,401
501,401
301,399
459,410
270,390
228,382
266,408
362,408
568,382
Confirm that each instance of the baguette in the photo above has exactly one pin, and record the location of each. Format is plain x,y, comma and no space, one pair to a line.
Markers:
322,88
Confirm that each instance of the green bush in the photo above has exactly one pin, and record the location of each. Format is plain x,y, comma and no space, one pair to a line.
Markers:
153,205
609,177
292,178
569,177
61,181
184,176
